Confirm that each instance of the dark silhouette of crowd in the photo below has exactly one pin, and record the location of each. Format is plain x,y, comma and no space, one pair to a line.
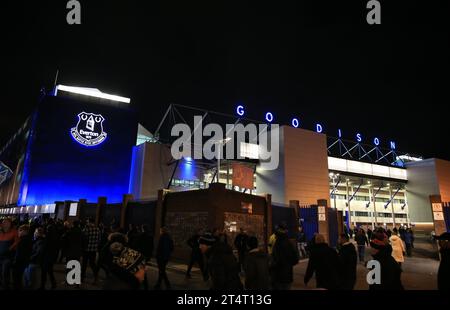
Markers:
30,249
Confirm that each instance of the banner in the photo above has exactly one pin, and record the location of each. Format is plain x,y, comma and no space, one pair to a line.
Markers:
242,176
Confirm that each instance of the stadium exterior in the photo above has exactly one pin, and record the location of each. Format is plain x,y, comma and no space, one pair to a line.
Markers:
81,143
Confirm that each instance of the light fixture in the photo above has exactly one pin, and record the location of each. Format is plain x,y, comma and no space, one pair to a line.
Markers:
93,92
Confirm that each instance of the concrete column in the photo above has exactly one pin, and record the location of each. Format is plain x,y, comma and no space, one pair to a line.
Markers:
374,208
373,213
349,220
392,207
101,203
123,209
323,224
81,204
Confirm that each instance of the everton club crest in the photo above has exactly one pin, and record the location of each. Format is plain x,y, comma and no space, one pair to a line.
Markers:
89,129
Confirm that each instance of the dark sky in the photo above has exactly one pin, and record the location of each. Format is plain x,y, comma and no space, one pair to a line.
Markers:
317,60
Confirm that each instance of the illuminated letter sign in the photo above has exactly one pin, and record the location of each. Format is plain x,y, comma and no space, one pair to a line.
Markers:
295,122
319,128
392,145
269,117
240,110
358,137
376,141
339,133
89,129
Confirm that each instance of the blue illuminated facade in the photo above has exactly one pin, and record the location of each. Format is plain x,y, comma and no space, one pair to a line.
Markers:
58,167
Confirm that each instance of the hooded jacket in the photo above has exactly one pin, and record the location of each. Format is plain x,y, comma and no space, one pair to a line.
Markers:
397,248
390,271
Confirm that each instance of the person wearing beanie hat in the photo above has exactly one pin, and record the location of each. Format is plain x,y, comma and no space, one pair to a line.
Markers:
390,269
443,276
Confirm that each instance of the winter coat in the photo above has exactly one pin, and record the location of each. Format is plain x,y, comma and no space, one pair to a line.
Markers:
256,267
223,267
23,251
51,245
8,242
144,244
408,238
37,251
390,271
241,242
301,237
324,262
73,243
165,248
271,243
347,269
284,257
194,245
397,248
361,239
444,271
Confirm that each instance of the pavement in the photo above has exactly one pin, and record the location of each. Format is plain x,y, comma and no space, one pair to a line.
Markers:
419,273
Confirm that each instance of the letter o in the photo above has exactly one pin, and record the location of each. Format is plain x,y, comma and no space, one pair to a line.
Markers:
376,141
269,117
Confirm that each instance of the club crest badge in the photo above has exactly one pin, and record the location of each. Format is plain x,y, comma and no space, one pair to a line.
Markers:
89,129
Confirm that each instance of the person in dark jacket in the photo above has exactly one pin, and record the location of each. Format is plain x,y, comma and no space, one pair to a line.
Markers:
222,266
301,242
22,256
443,276
369,234
408,241
347,261
284,258
50,255
361,241
33,271
9,239
144,244
324,262
196,254
390,270
240,243
256,267
73,241
163,252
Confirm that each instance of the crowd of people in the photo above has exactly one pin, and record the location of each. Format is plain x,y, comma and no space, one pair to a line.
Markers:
30,249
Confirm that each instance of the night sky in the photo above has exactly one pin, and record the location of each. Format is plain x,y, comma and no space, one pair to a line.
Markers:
316,60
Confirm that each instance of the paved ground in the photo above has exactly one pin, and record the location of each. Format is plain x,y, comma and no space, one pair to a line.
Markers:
419,273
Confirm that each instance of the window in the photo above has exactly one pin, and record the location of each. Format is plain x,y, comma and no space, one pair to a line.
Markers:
361,198
400,216
359,213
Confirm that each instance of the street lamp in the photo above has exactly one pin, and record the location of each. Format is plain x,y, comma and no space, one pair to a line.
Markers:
220,144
